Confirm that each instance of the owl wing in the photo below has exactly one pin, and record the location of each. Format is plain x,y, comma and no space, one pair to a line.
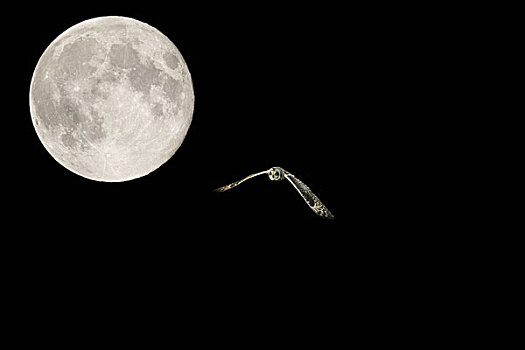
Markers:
309,197
227,187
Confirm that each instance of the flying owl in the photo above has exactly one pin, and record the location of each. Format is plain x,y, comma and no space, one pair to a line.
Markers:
278,174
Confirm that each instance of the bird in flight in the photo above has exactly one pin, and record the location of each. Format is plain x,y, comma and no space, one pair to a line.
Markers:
278,174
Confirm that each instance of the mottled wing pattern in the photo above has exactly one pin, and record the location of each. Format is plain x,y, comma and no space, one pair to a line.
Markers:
227,187
309,197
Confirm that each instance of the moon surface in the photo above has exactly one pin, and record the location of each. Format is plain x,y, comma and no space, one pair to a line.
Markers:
111,99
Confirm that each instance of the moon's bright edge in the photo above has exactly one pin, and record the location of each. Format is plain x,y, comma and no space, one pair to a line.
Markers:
111,99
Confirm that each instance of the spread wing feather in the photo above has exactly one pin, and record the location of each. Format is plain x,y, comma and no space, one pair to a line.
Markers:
309,197
227,187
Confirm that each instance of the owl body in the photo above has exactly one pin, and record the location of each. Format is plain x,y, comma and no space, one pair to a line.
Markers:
279,174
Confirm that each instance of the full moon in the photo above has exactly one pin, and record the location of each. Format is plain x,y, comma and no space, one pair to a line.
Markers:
111,99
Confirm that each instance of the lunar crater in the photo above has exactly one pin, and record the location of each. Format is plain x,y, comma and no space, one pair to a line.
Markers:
109,99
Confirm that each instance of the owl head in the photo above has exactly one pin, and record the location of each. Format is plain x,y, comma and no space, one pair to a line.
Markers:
275,174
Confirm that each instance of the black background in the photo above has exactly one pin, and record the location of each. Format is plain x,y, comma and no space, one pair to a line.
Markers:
326,92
